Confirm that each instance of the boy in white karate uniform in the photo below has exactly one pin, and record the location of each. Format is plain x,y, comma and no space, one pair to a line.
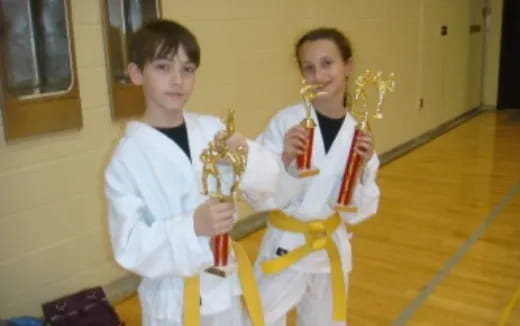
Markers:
160,224
305,256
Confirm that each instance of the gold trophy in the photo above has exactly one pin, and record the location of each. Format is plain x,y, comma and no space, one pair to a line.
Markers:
360,112
218,151
304,160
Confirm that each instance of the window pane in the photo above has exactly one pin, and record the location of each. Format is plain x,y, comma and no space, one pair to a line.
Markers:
125,18
36,47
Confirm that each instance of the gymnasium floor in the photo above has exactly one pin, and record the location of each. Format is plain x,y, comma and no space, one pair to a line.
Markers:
444,248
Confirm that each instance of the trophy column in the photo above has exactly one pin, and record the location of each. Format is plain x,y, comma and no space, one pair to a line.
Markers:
220,245
304,160
355,160
352,169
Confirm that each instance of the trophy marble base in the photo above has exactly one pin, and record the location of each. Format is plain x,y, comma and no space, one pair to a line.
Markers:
222,271
308,173
346,209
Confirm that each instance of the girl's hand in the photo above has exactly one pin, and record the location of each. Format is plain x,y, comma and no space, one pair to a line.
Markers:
365,145
294,144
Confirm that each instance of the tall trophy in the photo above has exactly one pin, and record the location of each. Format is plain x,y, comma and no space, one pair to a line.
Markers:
218,152
362,115
304,160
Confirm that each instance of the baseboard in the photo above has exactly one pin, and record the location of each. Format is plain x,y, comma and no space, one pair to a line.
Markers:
126,286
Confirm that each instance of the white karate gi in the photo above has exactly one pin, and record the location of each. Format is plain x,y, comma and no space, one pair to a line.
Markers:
307,282
153,190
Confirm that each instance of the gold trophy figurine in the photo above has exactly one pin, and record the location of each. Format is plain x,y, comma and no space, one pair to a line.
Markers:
218,151
304,160
360,111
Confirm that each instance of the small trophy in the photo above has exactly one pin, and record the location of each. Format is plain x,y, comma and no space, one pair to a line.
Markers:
216,152
304,160
360,111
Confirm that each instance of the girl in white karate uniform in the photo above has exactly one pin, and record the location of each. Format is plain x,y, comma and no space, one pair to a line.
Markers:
305,256
160,224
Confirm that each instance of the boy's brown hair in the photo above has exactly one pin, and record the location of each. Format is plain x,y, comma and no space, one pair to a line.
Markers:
161,39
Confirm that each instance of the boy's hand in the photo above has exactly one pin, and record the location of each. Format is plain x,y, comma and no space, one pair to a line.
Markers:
294,144
236,140
365,145
213,217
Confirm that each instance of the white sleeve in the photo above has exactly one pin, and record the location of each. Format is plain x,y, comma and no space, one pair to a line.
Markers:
262,170
366,194
285,187
272,138
266,183
146,246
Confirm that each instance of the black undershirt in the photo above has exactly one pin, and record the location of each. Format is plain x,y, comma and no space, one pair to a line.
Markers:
179,135
329,129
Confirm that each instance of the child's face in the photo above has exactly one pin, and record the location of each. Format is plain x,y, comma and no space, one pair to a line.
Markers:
322,63
167,83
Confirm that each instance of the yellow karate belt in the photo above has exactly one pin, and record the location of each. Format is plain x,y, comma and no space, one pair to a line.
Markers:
317,237
249,291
